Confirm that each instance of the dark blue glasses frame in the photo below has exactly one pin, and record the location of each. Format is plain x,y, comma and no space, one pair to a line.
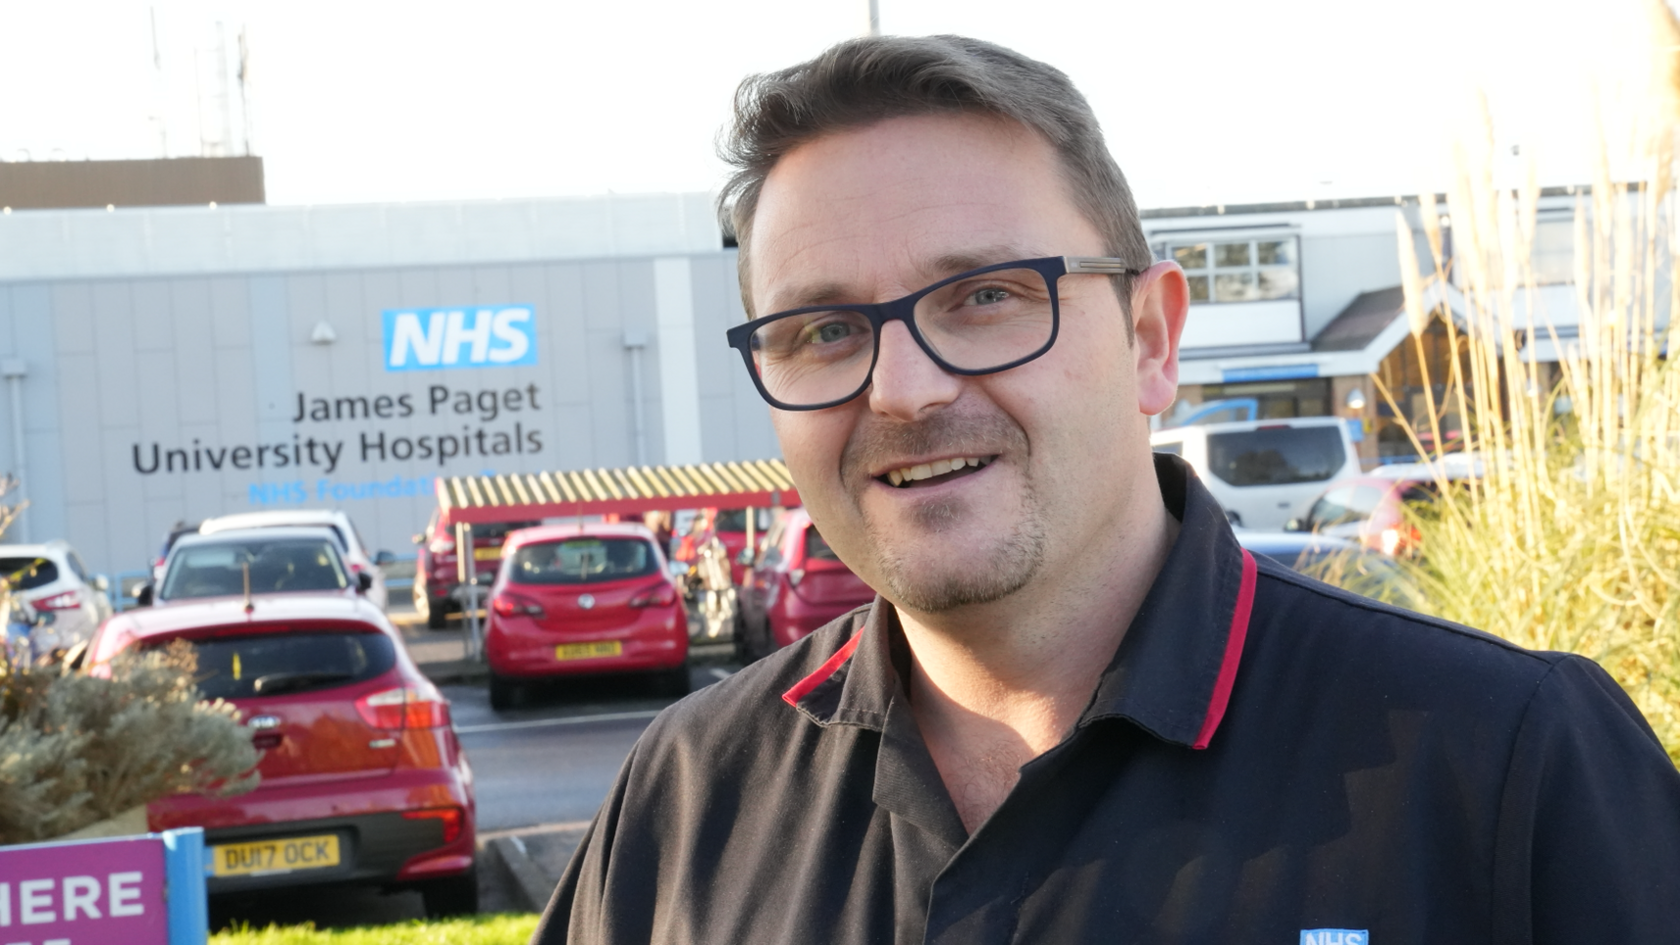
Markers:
903,310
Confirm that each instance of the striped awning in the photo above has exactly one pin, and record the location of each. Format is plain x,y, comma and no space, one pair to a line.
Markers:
512,497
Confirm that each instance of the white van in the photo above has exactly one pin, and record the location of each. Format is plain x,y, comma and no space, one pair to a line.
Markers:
1264,472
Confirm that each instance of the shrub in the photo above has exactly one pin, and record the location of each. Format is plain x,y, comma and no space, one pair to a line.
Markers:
76,749
1570,540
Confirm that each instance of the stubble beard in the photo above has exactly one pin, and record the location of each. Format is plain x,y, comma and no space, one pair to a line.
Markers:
962,576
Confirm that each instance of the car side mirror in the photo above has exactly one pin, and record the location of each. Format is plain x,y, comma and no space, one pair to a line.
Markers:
1294,525
143,596
364,582
384,559
101,583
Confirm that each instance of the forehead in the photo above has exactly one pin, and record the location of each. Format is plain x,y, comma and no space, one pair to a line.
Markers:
893,205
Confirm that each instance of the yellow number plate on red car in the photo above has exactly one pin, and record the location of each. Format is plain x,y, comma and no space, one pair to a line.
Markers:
275,856
584,651
487,554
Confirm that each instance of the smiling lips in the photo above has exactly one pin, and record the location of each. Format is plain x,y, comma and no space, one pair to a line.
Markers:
905,476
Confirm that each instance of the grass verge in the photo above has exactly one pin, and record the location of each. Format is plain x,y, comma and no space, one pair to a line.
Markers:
478,930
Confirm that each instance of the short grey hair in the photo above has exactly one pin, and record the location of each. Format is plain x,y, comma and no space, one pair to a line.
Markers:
863,81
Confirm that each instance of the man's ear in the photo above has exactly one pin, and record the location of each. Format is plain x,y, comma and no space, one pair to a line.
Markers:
1160,302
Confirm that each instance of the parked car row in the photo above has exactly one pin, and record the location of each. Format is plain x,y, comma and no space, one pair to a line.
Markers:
363,780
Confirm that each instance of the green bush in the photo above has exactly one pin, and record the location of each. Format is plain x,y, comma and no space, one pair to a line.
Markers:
76,749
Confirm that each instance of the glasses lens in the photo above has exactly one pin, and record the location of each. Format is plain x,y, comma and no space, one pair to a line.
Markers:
814,357
988,320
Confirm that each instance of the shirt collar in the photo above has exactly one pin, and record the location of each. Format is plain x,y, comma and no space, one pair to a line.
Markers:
1174,670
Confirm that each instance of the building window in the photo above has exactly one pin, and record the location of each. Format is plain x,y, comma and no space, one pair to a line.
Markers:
1554,250
1239,270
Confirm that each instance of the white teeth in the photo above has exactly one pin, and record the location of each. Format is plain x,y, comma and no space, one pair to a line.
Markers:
938,467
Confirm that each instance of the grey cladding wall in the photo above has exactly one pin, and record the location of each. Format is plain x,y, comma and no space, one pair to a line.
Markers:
152,400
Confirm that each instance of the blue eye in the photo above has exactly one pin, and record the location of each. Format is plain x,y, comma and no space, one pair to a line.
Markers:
990,296
831,332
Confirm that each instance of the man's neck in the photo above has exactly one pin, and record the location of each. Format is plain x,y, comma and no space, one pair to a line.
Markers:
996,685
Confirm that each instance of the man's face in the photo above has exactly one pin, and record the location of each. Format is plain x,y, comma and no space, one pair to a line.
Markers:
873,214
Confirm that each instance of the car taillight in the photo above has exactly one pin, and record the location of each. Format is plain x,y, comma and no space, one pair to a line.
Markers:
404,707
659,595
452,818
1390,541
512,605
64,601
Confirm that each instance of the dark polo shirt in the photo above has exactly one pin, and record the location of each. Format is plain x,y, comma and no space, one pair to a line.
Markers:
1267,759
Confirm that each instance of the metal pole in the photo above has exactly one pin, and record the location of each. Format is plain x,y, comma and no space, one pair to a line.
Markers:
14,371
466,572
874,17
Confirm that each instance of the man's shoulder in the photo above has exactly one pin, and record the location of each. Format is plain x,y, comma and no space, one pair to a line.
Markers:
1336,634
748,704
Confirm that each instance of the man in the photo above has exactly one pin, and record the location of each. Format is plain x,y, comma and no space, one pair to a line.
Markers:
1078,710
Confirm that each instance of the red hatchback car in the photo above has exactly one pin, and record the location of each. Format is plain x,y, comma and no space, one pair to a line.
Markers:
363,780
797,585
437,571
573,600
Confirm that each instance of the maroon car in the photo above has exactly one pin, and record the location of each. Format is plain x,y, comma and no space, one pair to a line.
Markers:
437,572
363,780
797,584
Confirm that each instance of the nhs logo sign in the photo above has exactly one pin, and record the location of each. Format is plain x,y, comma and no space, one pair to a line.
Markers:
429,339
1335,937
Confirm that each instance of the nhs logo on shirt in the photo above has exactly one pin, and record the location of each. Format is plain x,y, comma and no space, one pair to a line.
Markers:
1335,937
430,339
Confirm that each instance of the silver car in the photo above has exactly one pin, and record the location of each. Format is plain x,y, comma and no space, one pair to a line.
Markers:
51,580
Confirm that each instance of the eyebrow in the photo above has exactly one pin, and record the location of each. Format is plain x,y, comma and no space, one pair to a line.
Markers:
933,270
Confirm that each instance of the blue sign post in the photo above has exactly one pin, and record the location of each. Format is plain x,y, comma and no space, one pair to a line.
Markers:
143,890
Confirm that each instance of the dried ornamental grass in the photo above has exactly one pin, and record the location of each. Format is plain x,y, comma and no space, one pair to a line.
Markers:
77,749
1570,540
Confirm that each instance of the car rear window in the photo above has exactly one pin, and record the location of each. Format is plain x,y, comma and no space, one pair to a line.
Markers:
817,547
493,533
245,665
276,566
583,561
735,520
28,573
1276,456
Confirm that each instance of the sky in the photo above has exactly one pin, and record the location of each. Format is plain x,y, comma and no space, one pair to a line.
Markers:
355,101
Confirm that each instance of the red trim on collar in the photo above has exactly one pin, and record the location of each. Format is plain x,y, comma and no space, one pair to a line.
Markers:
1233,653
803,688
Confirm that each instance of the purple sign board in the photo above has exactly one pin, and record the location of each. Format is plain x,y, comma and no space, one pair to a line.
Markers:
104,892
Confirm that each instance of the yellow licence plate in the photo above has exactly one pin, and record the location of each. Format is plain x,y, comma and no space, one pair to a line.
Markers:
275,856
584,651
487,554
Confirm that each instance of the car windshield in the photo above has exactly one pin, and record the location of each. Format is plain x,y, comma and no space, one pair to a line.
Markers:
276,565
1344,505
28,573
1271,456
241,666
583,561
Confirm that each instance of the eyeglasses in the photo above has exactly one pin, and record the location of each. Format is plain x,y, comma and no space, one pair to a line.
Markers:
980,322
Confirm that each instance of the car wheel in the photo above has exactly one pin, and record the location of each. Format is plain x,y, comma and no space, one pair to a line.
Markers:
451,895
674,681
743,646
504,693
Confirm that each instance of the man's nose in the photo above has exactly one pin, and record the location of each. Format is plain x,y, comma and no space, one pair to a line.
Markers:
906,383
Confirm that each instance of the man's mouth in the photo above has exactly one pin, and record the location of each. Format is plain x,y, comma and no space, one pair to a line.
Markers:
940,470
